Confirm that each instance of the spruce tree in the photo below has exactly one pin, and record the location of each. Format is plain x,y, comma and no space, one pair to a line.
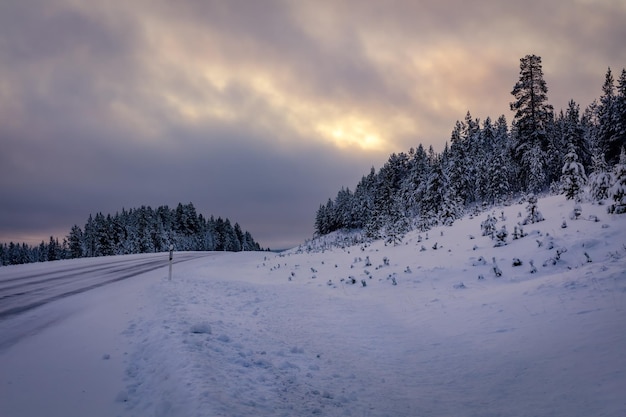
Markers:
618,141
607,120
601,179
573,176
618,190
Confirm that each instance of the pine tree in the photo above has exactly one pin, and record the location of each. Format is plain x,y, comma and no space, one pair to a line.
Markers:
531,122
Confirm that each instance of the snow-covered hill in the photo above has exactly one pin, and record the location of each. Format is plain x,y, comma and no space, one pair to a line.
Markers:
444,324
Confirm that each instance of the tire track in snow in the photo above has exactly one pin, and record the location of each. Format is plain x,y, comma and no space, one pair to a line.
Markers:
24,294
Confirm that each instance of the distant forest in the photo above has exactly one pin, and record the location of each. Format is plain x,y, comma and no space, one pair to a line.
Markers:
141,230
571,152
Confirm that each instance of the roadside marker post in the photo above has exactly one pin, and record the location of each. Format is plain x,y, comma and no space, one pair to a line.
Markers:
171,258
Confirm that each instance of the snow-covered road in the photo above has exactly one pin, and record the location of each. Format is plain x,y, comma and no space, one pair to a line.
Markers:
24,288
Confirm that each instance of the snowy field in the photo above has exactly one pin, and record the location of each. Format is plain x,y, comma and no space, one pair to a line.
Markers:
433,331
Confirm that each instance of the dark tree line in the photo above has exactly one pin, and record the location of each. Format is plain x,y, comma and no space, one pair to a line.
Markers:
141,230
488,162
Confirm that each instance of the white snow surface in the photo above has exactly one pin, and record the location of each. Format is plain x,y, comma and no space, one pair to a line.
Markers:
261,334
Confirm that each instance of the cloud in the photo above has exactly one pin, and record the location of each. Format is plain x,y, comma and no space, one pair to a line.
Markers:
259,111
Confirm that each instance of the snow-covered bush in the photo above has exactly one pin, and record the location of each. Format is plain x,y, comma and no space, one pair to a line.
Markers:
501,236
533,215
496,268
489,226
576,212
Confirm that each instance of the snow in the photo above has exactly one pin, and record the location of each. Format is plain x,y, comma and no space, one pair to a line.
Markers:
256,333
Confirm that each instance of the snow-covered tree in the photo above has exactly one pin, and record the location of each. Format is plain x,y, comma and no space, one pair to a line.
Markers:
533,214
611,134
618,190
573,177
601,179
532,117
75,241
619,138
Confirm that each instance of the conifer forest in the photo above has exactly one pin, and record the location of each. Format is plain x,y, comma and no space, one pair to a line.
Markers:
576,152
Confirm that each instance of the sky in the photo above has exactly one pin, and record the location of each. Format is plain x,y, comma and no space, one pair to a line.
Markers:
259,111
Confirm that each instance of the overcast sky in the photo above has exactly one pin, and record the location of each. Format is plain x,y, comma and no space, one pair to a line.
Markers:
259,110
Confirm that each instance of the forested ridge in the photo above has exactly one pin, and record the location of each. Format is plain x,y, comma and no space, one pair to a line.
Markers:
486,163
141,230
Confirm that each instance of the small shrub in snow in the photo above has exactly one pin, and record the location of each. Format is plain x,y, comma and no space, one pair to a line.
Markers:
564,225
533,269
407,270
435,246
422,249
364,283
518,232
588,257
393,281
201,328
351,280
489,226
517,262
559,252
533,215
481,277
576,212
367,261
386,261
459,286
496,268
480,261
501,236
549,261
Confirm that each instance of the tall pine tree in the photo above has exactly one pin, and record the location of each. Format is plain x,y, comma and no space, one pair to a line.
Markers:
531,122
